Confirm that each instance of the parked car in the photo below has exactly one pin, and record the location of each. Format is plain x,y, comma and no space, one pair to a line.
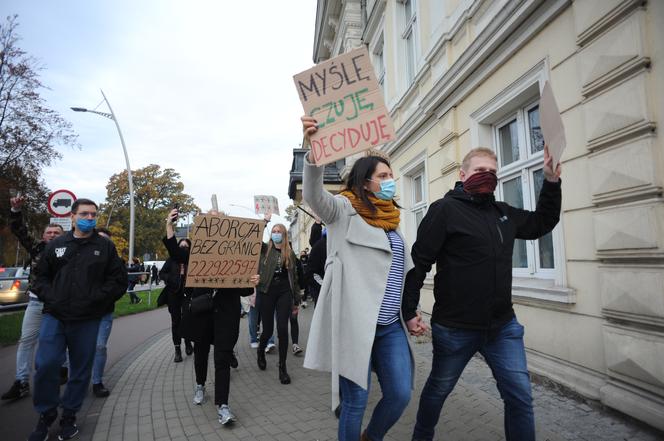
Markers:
13,285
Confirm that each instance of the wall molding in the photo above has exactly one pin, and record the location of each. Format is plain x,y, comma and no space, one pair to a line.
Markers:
607,21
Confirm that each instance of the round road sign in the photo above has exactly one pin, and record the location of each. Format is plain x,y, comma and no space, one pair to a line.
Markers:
60,202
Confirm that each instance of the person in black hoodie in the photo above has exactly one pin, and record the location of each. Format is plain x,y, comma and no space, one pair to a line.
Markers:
78,277
219,327
470,236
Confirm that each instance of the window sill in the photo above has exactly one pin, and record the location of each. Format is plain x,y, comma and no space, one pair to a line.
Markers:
529,290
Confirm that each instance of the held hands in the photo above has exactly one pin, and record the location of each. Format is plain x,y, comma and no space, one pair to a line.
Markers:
296,310
549,174
416,325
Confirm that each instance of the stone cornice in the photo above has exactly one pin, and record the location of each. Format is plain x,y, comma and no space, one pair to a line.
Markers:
627,70
601,25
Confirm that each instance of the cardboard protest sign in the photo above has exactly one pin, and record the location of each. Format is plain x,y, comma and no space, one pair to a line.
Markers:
224,251
264,204
343,95
552,124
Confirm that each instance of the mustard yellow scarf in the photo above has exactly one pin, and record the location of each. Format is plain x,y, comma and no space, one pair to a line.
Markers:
385,217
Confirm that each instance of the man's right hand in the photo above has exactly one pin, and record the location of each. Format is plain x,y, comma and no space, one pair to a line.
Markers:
416,325
17,202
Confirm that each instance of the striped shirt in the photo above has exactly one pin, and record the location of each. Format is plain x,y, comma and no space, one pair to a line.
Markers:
391,306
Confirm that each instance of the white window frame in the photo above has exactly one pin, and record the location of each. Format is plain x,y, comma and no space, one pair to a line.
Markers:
532,283
380,64
415,168
408,39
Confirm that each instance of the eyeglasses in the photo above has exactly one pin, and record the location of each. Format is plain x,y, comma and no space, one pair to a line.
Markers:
91,214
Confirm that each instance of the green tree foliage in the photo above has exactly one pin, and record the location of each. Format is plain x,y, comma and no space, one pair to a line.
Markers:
30,134
156,191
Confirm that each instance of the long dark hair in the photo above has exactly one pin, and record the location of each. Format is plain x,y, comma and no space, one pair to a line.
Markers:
362,170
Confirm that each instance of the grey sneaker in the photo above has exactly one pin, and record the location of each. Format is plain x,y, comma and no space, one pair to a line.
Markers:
296,349
199,396
269,348
225,415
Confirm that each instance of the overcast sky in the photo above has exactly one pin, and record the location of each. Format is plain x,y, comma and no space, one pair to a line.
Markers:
204,87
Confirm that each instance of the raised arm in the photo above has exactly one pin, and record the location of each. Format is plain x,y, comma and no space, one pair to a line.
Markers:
321,201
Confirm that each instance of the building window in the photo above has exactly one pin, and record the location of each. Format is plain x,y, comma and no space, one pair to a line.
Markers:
408,36
414,194
519,146
379,64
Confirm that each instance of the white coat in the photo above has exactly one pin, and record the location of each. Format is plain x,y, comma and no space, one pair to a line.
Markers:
358,262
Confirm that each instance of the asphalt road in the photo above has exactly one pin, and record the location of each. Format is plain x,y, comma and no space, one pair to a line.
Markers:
18,418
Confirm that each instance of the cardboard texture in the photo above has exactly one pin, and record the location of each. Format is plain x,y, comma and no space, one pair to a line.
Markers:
552,124
264,204
224,251
344,97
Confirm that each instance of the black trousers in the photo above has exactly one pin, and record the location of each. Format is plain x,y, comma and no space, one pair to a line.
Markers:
226,332
278,299
175,310
294,329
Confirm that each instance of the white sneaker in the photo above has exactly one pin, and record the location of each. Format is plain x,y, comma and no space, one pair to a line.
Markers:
269,347
296,349
254,345
303,304
225,415
199,395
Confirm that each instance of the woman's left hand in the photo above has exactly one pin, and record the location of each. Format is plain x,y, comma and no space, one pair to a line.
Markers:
296,309
255,279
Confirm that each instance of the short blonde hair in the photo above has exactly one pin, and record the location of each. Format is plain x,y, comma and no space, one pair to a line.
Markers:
477,151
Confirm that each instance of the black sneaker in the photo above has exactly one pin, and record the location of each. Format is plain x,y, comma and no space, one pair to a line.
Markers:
234,363
178,355
18,390
188,348
64,375
100,391
68,428
41,431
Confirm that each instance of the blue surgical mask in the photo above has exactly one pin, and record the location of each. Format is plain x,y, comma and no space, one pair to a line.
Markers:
86,225
277,238
387,189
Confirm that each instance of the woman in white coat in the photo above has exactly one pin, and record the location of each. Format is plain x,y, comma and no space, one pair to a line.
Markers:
357,325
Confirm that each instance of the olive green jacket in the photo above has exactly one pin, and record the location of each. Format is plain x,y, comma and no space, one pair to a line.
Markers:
266,268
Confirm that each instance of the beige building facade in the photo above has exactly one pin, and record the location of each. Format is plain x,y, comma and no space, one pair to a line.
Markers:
458,74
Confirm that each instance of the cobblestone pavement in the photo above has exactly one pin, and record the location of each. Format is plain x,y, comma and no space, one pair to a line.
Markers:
152,400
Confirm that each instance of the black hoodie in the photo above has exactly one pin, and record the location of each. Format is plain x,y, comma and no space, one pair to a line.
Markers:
471,240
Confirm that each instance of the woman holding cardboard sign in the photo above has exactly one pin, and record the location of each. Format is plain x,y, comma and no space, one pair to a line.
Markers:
210,317
357,324
279,291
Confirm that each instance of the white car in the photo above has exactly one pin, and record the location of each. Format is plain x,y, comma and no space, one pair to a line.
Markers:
14,285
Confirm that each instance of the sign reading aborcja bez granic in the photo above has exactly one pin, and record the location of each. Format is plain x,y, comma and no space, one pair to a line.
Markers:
342,94
224,252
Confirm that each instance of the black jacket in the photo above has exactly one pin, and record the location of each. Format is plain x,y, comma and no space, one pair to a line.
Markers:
32,246
471,240
79,279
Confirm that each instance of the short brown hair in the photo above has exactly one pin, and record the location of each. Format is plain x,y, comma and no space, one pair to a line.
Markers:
477,151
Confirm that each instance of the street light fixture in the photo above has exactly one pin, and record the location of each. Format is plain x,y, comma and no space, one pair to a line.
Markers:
112,117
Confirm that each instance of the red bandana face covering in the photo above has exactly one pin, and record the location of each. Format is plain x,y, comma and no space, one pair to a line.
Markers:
480,183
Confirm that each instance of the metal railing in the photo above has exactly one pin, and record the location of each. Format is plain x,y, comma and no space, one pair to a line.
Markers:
151,286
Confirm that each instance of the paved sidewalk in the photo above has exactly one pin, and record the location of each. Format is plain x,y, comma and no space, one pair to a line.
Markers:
152,400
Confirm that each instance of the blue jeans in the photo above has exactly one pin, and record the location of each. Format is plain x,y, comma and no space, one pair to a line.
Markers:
253,325
503,351
55,337
103,334
390,358
29,337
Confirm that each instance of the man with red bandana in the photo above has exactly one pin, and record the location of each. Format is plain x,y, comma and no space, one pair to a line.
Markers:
470,236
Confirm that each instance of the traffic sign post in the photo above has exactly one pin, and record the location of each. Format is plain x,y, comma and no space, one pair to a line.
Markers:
64,222
60,202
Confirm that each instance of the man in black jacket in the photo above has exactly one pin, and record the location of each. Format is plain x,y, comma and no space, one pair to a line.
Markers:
78,277
33,312
470,236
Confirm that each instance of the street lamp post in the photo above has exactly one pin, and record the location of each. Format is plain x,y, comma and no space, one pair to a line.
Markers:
112,117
